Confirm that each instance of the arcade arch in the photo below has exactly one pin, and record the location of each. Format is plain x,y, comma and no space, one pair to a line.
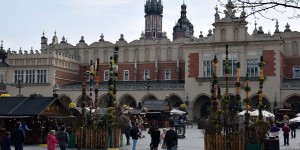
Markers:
128,100
254,102
293,101
201,106
174,100
65,100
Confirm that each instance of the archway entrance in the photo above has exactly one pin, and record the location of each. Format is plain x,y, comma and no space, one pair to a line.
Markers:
174,101
294,102
128,100
103,101
201,107
255,101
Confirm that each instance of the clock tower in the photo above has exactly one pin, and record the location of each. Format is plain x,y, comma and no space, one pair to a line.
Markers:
153,19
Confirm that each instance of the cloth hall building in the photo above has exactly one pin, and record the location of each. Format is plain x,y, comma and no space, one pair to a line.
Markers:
180,69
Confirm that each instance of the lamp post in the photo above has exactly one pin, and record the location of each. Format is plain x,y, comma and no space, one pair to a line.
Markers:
55,89
19,85
148,85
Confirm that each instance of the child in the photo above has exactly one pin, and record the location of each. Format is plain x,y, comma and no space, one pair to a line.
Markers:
51,140
6,141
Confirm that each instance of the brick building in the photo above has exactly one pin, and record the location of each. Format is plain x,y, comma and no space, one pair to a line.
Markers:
180,70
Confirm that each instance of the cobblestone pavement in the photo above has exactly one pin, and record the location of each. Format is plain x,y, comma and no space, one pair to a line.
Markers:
194,140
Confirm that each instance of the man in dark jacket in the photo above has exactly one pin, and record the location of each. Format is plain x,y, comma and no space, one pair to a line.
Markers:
134,133
18,136
63,138
286,132
171,139
293,127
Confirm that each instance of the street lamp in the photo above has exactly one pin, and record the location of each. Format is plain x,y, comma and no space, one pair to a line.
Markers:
55,89
148,85
19,85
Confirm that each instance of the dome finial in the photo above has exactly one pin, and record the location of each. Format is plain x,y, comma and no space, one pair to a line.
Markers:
55,32
1,44
43,33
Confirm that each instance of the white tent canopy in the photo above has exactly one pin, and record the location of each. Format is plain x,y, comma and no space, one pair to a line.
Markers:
298,114
264,113
297,119
177,112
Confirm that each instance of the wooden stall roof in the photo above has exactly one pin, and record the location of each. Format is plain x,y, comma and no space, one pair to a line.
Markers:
32,106
156,105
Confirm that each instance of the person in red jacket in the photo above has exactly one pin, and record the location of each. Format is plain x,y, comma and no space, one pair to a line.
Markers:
286,132
51,140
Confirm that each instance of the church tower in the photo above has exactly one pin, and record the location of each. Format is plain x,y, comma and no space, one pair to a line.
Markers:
153,19
183,28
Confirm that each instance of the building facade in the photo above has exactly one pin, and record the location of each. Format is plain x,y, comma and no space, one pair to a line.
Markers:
180,71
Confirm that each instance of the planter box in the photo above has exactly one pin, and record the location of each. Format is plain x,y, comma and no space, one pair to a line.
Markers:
253,146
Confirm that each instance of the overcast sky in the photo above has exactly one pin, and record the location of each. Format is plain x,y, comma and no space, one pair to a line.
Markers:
23,21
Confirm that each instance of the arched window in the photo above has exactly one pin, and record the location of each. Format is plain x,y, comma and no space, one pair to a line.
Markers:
154,34
236,34
158,54
223,35
169,54
126,55
136,54
295,51
147,55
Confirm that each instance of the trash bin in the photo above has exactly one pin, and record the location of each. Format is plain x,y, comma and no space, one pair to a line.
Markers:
71,143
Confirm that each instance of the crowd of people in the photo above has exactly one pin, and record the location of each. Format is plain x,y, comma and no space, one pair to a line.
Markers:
18,135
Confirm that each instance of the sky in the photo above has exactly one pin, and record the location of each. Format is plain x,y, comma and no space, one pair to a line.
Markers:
24,21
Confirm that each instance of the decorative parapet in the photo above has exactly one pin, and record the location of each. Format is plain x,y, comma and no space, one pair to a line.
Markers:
290,86
132,86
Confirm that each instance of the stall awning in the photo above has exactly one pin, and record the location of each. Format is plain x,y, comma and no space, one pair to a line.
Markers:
31,106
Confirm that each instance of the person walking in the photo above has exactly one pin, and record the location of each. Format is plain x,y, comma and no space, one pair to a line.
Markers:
127,133
274,130
286,132
134,133
171,139
63,138
51,140
155,138
5,143
293,127
162,138
18,136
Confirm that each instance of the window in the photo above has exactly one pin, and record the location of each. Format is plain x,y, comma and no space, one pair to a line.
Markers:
208,68
296,72
41,76
106,75
126,75
154,34
1,78
146,73
252,67
232,65
19,75
30,76
168,74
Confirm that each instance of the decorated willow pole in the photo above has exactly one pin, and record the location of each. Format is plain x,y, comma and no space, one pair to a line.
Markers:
260,92
96,85
247,100
83,96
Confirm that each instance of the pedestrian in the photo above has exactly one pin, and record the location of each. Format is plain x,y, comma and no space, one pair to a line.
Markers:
5,143
134,133
63,138
274,130
18,136
51,140
293,127
163,134
155,138
127,132
46,130
171,139
286,132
